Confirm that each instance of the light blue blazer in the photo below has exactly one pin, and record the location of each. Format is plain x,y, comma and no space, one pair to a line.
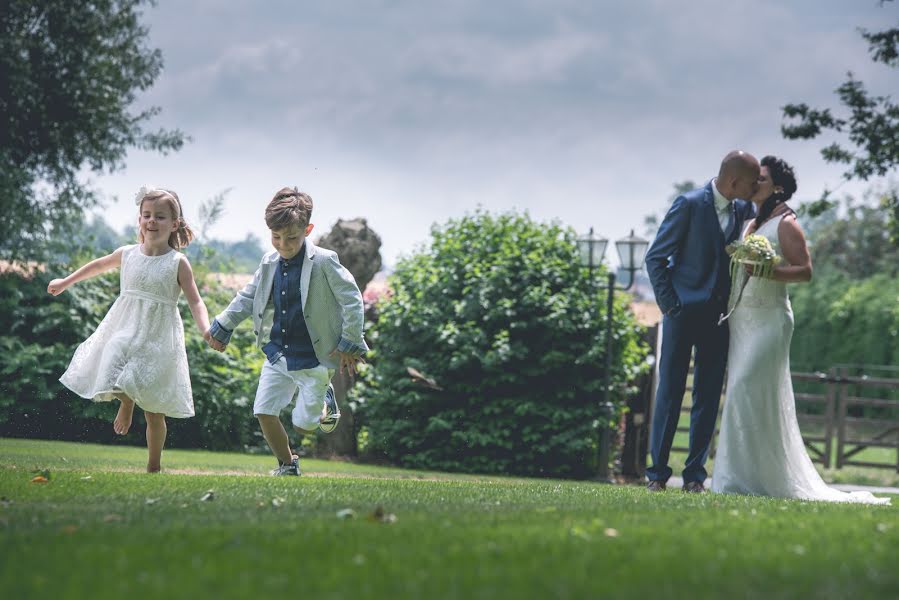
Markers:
332,305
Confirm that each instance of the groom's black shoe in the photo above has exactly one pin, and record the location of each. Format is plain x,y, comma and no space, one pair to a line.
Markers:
656,486
694,487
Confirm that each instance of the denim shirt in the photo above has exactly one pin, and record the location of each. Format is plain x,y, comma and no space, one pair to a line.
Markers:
290,337
331,306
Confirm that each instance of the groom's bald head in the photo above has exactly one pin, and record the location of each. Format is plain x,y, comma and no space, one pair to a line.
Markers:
738,175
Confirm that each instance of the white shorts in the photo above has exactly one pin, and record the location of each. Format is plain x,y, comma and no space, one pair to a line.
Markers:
278,386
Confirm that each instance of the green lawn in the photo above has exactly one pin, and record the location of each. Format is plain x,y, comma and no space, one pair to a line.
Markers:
102,529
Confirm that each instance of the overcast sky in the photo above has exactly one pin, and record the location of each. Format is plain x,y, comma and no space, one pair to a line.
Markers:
410,113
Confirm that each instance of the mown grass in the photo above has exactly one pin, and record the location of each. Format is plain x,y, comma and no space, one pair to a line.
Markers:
101,529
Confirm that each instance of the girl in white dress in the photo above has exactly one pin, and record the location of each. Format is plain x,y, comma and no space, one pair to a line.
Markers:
760,448
137,353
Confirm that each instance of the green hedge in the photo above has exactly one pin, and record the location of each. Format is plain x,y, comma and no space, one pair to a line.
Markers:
499,313
43,335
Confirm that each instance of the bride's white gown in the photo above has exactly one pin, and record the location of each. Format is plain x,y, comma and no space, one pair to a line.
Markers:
760,449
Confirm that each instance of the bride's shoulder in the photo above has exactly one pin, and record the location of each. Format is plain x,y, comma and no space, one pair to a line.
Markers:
789,225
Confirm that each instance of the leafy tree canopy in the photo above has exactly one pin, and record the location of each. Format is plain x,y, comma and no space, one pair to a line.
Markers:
871,126
70,73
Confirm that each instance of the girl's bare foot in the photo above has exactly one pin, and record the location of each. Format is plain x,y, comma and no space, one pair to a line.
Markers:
122,422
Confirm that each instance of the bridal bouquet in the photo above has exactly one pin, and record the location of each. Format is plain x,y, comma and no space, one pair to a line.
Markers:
756,251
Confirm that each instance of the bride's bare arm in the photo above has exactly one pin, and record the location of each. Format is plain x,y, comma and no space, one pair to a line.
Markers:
798,265
91,269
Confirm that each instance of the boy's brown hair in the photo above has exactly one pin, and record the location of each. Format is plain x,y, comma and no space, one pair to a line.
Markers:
289,207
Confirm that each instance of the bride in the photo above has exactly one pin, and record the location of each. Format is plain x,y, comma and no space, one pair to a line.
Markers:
760,449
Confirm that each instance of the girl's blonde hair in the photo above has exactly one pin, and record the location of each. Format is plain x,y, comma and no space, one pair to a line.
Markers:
181,237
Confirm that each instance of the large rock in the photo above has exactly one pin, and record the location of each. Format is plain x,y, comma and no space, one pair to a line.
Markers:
358,247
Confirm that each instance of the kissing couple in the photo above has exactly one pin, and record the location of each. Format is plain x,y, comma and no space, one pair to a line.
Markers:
760,448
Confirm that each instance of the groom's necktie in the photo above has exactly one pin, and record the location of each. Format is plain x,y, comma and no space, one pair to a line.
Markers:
731,221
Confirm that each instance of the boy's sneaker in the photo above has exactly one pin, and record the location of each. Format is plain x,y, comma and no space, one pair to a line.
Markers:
330,411
291,468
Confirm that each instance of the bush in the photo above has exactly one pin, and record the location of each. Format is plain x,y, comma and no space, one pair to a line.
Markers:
843,321
500,314
43,335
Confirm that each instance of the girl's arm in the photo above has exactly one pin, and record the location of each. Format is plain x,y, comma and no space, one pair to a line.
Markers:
91,269
795,251
189,287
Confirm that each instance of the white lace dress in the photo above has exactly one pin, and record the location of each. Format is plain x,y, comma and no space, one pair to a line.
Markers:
138,348
760,448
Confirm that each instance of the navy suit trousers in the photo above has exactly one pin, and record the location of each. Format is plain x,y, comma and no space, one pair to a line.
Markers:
695,328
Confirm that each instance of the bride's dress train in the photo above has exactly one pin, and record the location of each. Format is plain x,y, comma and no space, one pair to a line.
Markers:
760,448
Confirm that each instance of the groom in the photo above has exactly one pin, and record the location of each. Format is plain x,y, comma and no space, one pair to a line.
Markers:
689,271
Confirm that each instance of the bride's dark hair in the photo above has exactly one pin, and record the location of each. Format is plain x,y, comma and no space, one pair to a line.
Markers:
782,176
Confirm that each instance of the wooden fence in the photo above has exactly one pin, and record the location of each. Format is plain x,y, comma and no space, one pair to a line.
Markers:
831,423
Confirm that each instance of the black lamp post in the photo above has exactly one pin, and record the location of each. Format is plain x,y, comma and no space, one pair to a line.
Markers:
631,251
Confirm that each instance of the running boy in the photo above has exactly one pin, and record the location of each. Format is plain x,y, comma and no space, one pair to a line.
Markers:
307,316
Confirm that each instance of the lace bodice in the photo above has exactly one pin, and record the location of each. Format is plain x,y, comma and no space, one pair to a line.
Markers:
151,277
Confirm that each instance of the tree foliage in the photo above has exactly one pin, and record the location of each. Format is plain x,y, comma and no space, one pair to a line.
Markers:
871,126
850,238
849,312
510,331
70,73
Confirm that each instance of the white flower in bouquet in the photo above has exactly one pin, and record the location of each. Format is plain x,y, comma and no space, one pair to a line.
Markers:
755,251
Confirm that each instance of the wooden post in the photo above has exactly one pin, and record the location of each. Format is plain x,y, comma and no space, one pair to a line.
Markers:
841,414
831,395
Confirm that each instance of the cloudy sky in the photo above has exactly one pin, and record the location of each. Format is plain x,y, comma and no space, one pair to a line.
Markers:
409,113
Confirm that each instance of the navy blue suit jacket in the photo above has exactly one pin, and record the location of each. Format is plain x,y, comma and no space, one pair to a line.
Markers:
687,259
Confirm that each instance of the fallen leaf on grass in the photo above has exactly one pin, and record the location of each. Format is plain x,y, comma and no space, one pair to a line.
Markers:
70,529
209,495
112,518
610,532
150,501
346,513
42,476
381,516
86,478
278,502
882,527
64,459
